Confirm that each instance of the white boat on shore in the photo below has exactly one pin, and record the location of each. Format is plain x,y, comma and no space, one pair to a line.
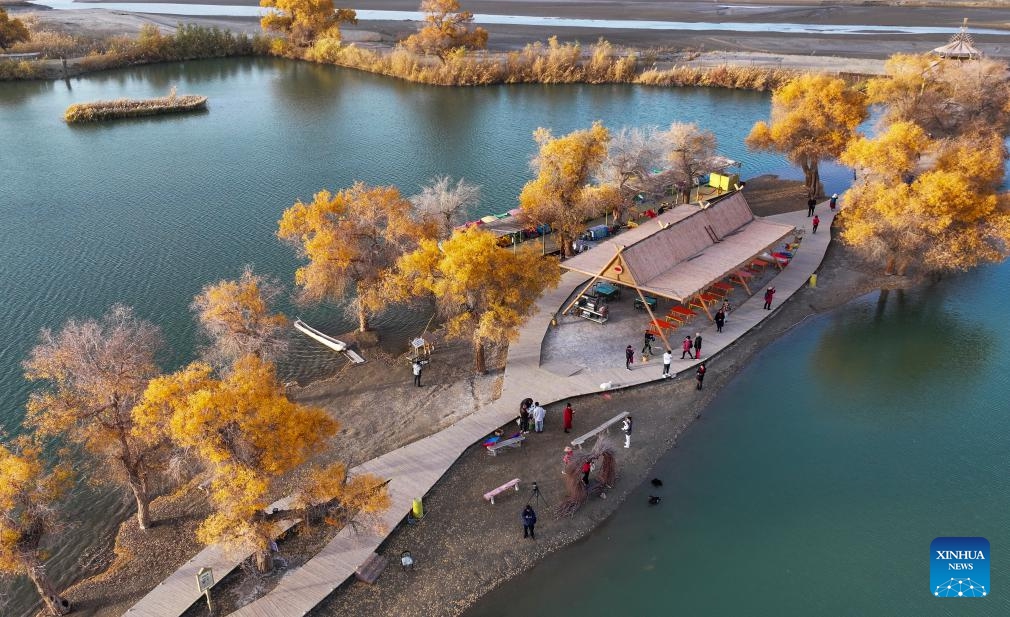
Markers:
329,341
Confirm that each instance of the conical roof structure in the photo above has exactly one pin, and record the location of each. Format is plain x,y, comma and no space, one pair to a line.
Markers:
960,47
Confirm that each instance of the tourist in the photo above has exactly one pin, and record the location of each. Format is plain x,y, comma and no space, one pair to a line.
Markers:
811,204
539,413
700,374
726,308
667,359
687,346
568,413
586,468
649,337
524,415
567,458
697,345
417,366
769,296
833,203
720,319
816,222
629,356
529,518
626,429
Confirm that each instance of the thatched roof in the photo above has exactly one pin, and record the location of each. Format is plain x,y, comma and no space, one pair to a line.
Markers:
960,47
683,251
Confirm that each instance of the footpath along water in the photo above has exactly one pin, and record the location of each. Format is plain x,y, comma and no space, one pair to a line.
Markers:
817,480
146,212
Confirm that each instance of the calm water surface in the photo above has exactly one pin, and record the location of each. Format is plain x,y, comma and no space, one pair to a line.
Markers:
818,478
146,212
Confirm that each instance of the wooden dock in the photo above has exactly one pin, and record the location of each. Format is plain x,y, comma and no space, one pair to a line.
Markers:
414,468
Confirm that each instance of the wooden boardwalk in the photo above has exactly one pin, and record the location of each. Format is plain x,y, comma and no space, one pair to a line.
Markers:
414,468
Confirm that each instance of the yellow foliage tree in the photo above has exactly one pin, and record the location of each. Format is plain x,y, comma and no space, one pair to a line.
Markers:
446,28
96,371
485,292
351,239
943,97
30,492
12,31
303,21
891,155
813,118
237,317
251,438
560,195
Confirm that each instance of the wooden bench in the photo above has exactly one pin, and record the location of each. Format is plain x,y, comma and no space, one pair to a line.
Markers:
369,571
578,441
501,489
514,442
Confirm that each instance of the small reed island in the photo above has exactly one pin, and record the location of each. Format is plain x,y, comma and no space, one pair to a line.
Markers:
134,108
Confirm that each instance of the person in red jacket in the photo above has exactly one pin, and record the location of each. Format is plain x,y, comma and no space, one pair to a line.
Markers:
769,296
568,413
815,222
586,468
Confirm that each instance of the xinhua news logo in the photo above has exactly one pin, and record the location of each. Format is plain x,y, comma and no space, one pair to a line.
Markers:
959,567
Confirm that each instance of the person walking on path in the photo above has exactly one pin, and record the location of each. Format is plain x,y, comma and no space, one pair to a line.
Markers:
726,308
667,359
833,203
568,413
539,413
649,337
529,518
524,414
700,374
629,356
586,468
815,222
697,345
417,366
811,204
626,429
687,346
769,296
720,320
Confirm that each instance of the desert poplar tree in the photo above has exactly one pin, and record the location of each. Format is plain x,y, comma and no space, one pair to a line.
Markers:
446,28
444,204
12,31
303,21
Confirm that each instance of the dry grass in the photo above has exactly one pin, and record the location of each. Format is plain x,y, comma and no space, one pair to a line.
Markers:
133,108
738,77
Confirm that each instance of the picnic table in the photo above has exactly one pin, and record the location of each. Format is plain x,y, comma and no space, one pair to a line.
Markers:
682,310
663,325
740,277
721,289
651,301
758,265
608,291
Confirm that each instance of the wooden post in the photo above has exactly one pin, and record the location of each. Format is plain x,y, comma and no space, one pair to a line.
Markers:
662,335
704,307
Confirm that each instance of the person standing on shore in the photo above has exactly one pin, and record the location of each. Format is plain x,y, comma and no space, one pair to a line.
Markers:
539,413
586,468
567,416
769,296
524,415
720,320
697,345
687,346
629,356
529,518
649,337
700,374
815,222
626,429
726,308
811,204
667,359
417,366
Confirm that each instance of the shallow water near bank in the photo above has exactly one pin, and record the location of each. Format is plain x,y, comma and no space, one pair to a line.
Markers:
818,477
146,212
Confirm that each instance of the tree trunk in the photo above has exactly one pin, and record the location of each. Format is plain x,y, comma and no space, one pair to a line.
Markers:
55,603
479,362
264,560
139,488
565,242
889,268
812,177
362,318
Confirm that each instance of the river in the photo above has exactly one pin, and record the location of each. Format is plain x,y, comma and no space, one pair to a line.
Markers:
146,212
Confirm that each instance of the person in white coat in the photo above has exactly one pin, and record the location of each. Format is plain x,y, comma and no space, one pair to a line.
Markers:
539,413
626,429
667,359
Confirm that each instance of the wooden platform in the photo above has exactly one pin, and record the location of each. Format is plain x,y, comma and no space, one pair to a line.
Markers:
416,467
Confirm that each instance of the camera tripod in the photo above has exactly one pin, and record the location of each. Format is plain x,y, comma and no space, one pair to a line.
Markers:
537,496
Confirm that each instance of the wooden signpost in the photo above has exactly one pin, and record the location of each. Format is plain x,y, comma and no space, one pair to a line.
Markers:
204,581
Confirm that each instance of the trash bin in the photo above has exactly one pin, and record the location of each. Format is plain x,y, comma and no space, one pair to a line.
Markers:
813,280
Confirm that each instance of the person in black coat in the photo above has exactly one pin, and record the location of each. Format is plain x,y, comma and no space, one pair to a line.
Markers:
529,518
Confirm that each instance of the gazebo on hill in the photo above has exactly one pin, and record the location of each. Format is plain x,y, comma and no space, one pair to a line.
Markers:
960,47
682,252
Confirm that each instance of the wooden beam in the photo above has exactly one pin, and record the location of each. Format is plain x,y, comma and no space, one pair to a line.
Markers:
569,306
662,334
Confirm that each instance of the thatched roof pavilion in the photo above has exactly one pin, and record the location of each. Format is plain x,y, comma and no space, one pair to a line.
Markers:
960,47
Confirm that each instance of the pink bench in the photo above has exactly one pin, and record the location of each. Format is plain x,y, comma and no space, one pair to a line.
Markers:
504,487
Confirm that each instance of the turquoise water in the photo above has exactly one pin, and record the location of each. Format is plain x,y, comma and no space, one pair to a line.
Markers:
146,212
818,478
